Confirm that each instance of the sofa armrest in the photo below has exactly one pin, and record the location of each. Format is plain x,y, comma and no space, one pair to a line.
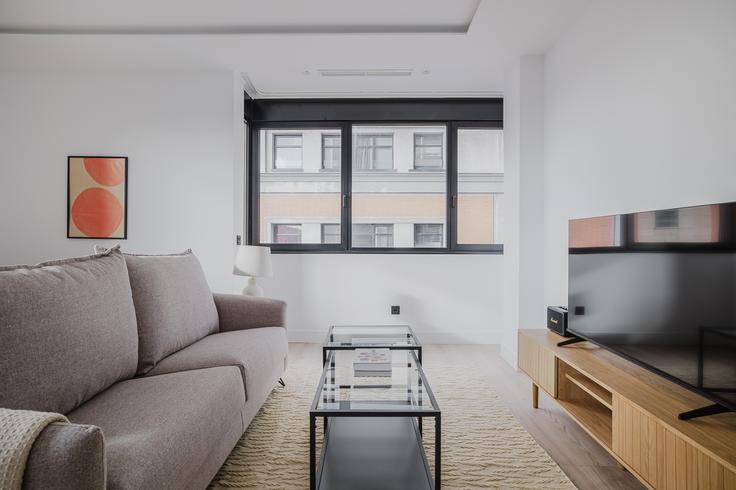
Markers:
66,456
238,312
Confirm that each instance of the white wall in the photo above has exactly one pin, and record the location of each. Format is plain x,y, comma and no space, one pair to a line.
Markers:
524,238
640,114
176,128
447,298
182,133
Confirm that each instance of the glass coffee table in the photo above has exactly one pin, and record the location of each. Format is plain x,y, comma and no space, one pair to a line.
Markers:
373,424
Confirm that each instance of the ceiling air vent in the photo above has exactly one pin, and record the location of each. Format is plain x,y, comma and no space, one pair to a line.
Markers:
378,72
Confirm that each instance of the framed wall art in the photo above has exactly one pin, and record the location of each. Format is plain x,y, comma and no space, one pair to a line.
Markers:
97,197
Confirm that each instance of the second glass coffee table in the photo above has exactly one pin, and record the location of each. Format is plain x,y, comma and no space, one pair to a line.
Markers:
373,424
351,337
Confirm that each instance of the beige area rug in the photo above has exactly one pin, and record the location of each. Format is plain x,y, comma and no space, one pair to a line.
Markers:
483,445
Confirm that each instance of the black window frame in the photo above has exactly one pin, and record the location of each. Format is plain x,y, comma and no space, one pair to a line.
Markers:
342,115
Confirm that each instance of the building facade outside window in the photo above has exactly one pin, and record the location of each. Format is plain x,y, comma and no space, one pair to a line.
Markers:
373,152
287,151
428,151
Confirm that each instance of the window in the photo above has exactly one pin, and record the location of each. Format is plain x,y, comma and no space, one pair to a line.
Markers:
287,151
331,233
376,176
308,197
331,149
479,186
428,151
373,236
373,151
667,218
428,235
403,197
287,233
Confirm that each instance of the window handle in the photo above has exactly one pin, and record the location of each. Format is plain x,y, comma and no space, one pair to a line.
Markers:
345,201
454,201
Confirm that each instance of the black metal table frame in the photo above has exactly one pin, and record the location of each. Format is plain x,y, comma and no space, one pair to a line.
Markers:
419,415
326,347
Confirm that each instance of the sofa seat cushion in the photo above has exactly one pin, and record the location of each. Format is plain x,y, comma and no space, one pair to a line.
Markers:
67,331
159,430
259,353
173,304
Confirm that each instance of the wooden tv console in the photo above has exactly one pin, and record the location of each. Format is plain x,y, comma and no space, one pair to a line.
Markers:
632,413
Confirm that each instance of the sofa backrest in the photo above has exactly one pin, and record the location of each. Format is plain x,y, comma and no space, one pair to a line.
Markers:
67,331
173,304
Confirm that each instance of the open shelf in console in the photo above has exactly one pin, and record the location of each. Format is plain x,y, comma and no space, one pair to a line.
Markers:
586,401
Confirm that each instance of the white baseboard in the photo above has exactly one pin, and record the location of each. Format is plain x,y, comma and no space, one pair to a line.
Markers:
509,356
307,336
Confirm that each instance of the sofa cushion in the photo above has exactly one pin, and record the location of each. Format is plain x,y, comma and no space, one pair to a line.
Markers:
67,331
161,430
173,304
259,353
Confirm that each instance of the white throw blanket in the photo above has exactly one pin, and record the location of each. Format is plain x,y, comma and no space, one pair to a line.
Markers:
18,431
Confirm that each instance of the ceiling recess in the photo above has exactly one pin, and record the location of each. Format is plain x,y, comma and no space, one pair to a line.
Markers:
372,72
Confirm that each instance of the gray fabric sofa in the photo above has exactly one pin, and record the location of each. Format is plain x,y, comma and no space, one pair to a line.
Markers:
158,377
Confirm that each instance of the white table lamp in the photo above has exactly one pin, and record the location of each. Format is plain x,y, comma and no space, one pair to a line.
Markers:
253,262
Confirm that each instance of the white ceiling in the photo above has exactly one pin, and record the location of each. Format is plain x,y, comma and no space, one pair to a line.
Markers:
448,47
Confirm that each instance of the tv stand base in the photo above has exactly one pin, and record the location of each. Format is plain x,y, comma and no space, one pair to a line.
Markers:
571,341
703,412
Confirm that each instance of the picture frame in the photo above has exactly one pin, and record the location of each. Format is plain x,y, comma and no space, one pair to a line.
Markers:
97,197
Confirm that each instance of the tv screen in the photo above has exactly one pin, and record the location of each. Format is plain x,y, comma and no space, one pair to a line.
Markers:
659,288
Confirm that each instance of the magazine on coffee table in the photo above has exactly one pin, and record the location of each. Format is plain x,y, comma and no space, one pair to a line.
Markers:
372,362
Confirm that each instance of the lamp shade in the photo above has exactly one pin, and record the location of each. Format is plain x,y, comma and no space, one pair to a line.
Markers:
253,261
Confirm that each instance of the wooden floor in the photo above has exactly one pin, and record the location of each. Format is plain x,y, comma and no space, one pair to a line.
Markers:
582,459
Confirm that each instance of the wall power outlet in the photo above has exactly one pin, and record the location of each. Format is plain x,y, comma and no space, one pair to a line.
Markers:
396,310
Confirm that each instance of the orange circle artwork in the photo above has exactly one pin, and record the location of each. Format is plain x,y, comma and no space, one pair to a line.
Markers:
97,212
105,171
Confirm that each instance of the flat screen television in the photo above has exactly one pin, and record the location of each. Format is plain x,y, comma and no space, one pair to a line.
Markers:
659,288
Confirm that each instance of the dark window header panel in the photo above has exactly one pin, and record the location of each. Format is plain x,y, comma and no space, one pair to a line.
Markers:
378,110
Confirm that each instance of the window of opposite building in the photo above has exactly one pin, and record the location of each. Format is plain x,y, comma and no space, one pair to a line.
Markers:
667,218
428,151
287,151
331,233
283,233
373,236
376,184
373,152
428,235
331,150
